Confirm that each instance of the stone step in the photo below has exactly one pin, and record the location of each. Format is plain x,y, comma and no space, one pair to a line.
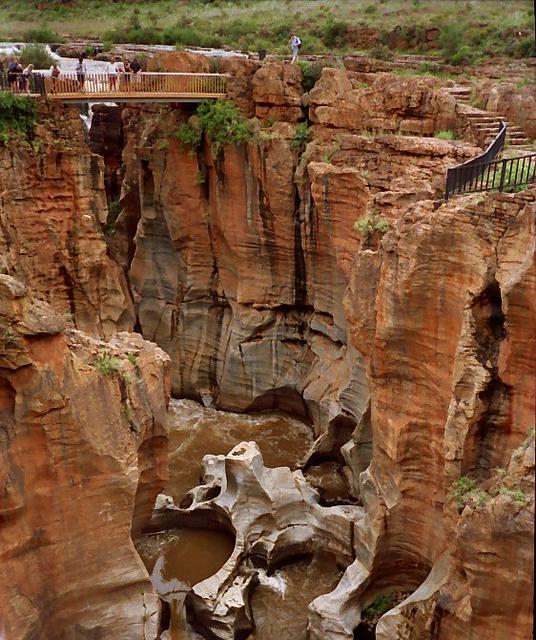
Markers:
491,124
511,141
482,116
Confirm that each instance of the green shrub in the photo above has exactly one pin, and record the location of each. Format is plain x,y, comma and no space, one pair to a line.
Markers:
373,223
301,137
445,135
371,8
107,364
42,34
518,495
37,55
464,55
334,33
114,209
460,490
450,38
525,48
311,72
189,136
382,52
380,605
453,47
18,116
222,123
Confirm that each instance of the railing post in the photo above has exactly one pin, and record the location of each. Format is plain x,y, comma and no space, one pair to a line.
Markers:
503,172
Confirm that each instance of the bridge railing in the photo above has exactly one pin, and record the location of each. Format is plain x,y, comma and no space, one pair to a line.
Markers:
19,83
128,84
461,177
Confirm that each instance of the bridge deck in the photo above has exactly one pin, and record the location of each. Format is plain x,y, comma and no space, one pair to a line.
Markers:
127,87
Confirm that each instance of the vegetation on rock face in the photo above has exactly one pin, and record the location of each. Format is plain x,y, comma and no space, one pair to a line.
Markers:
373,223
380,605
106,364
301,137
18,117
445,135
114,209
488,28
189,135
311,72
220,121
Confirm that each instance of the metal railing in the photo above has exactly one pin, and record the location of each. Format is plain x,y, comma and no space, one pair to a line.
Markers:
466,173
505,175
125,85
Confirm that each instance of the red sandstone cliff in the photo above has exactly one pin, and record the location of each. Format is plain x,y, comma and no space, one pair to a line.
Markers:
246,269
83,454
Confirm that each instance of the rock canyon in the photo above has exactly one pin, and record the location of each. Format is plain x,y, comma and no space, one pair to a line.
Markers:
228,412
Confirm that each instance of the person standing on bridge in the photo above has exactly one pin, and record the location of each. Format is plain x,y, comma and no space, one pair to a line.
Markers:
135,69
55,73
12,75
81,73
25,79
120,72
295,44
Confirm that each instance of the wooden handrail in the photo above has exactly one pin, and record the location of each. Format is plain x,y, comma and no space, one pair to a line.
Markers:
140,84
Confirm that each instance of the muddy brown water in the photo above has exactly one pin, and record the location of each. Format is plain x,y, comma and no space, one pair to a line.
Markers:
176,560
195,431
179,559
280,602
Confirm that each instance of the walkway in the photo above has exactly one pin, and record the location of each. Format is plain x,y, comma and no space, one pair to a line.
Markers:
143,87
485,124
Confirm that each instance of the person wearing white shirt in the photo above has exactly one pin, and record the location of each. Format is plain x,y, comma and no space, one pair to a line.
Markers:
81,73
120,72
295,44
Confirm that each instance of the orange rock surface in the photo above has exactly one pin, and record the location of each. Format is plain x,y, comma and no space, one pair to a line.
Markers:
83,455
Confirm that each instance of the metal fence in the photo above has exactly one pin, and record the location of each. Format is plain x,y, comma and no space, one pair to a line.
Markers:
461,177
509,174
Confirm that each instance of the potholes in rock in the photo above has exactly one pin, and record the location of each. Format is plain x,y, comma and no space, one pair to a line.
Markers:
370,616
196,431
280,601
176,561
329,480
489,320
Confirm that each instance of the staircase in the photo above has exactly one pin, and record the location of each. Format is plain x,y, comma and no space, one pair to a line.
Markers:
485,124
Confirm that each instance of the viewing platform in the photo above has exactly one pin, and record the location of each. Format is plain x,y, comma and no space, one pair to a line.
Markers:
128,87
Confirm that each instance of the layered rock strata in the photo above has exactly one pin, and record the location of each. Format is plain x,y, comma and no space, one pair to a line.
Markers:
83,454
237,265
446,331
53,206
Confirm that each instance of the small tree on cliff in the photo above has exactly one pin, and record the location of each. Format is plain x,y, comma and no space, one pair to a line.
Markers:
220,121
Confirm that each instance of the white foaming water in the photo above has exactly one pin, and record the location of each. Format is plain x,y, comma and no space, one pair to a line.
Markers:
275,583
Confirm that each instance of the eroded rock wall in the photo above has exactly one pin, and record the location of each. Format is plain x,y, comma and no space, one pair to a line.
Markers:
446,329
53,206
233,277
83,454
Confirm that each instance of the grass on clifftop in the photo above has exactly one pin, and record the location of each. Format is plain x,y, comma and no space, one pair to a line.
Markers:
487,27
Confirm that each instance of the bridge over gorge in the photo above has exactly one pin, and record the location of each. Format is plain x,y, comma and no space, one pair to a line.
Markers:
126,87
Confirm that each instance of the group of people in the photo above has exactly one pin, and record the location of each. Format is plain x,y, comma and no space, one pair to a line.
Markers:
118,73
19,77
